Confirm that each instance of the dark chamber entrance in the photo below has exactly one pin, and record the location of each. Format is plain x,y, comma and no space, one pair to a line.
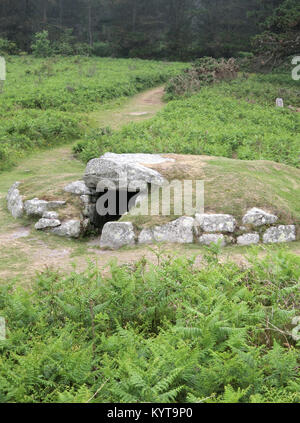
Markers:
113,205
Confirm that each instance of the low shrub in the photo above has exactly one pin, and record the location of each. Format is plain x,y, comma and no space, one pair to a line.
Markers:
203,72
7,47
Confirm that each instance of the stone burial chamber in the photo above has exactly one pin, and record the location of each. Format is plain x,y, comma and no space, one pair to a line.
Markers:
114,185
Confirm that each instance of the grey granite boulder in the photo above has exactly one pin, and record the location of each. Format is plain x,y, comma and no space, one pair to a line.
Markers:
47,223
179,231
50,215
14,201
77,188
146,237
279,234
258,217
36,207
216,222
208,239
123,169
117,234
248,239
69,229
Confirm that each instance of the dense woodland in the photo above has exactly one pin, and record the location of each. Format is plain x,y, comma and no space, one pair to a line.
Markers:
159,29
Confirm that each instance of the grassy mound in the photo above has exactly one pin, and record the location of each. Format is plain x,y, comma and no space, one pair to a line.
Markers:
234,186
155,333
234,120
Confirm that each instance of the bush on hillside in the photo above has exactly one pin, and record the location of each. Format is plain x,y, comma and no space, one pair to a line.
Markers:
7,47
203,72
41,46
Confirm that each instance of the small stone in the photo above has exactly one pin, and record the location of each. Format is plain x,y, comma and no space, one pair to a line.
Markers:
77,188
15,202
248,239
179,231
85,199
56,204
146,237
50,215
208,239
258,217
280,234
216,222
68,229
47,223
117,234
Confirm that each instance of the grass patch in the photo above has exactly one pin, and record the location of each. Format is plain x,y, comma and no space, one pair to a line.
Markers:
220,121
45,101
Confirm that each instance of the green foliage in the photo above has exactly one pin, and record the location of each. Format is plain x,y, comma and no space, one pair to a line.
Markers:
203,72
155,333
42,98
7,47
281,38
101,49
234,120
41,46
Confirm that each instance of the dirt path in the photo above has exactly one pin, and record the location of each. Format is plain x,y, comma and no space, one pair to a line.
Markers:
24,251
140,107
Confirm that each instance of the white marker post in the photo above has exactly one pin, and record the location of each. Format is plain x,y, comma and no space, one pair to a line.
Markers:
2,73
2,329
279,102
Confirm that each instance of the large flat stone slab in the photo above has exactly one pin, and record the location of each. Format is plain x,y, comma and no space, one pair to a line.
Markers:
123,169
216,222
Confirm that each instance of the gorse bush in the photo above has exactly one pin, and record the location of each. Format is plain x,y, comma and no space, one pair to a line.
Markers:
235,120
155,333
203,72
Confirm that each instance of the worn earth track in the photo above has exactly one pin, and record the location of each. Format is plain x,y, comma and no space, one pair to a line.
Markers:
24,251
